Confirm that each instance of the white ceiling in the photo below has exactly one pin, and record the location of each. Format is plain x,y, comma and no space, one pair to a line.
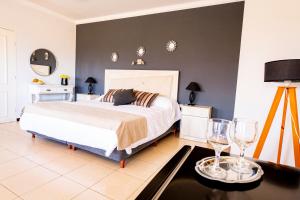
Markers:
81,10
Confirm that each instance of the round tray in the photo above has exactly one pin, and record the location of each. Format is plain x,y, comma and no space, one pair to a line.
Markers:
232,176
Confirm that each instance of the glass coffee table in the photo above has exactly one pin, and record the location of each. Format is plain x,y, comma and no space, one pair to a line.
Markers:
179,180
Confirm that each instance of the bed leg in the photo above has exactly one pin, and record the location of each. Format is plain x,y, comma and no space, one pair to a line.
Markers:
154,143
74,148
174,132
32,136
122,163
70,146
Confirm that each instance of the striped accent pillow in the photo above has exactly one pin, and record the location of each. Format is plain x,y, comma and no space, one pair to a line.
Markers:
109,96
144,98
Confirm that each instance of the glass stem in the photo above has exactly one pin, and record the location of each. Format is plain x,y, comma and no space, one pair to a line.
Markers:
217,159
242,157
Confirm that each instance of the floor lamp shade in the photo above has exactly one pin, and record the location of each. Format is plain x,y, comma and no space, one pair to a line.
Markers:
282,70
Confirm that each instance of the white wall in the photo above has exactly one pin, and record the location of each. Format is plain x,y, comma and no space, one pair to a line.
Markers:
271,31
36,29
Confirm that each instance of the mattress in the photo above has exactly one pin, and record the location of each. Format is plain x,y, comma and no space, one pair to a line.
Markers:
160,117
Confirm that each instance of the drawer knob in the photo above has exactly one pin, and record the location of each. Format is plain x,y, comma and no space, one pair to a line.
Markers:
49,90
65,89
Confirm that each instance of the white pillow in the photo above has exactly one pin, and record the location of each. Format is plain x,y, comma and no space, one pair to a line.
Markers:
162,102
99,98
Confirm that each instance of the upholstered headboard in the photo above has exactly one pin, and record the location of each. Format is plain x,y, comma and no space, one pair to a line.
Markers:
160,81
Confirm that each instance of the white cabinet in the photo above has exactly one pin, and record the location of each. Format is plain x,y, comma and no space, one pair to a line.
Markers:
86,97
194,122
36,91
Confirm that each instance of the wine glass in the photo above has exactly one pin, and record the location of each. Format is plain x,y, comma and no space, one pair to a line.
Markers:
218,135
244,134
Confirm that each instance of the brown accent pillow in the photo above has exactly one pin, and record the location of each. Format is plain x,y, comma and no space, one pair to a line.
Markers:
109,96
144,98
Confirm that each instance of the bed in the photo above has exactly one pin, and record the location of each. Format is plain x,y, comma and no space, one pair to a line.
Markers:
95,134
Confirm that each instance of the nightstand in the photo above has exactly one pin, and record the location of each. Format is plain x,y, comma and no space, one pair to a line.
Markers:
194,122
86,97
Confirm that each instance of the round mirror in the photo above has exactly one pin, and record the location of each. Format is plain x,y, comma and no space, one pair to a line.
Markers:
43,62
171,46
114,56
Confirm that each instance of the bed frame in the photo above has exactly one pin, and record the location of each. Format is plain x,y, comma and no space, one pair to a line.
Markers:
145,80
116,155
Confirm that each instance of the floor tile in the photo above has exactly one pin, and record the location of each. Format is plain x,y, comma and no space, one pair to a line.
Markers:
7,156
89,174
139,169
28,180
14,167
118,186
43,156
106,163
65,164
153,156
60,189
90,195
5,194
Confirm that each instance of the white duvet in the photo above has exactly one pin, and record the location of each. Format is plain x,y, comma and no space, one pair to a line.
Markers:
160,117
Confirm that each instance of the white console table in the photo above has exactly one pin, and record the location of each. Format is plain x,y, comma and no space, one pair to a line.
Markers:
37,90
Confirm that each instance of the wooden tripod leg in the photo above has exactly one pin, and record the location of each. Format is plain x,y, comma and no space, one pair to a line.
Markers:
295,124
268,122
282,126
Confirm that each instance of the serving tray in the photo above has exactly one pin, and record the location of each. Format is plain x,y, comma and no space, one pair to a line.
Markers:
232,176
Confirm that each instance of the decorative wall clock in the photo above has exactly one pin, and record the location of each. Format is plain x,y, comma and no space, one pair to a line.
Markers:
171,46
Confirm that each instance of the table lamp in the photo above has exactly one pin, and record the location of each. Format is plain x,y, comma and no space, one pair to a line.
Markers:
286,71
91,81
193,86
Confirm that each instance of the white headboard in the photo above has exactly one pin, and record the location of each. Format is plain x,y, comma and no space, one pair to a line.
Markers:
160,81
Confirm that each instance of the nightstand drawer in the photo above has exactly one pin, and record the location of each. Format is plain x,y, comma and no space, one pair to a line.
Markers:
46,90
195,111
193,127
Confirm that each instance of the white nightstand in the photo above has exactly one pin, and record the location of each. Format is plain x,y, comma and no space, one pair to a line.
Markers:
86,97
194,122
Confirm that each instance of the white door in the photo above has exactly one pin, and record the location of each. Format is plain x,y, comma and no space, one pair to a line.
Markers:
7,76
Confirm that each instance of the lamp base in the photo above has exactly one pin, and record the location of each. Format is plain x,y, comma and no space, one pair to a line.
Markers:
192,97
90,88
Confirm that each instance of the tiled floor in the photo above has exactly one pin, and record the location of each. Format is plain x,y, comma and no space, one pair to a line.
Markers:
40,169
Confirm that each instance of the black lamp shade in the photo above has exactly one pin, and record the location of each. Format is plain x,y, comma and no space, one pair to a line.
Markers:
282,70
90,80
193,86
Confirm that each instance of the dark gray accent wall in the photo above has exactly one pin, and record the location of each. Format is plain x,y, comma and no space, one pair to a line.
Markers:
208,50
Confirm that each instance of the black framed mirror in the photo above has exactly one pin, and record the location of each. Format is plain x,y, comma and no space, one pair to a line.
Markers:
43,62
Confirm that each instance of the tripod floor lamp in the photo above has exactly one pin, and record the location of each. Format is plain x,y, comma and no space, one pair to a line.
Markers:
286,71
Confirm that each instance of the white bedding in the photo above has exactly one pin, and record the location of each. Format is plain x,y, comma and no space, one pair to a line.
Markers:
160,117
